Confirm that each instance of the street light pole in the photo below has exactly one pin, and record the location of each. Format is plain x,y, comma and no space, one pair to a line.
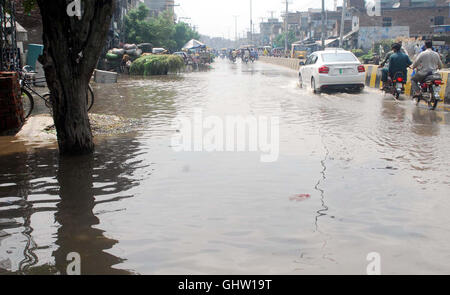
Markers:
235,28
344,11
323,23
251,22
286,28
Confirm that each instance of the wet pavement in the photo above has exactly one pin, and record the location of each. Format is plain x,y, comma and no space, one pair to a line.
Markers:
356,173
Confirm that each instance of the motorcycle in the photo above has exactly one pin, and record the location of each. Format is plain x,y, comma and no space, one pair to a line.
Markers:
395,85
245,59
430,90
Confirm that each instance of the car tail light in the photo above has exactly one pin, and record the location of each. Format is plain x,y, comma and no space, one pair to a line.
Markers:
361,69
400,80
438,82
324,70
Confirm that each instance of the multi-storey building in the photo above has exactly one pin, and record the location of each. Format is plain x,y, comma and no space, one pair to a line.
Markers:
409,18
158,6
269,30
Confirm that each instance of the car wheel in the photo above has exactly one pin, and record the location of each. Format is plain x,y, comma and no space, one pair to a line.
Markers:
313,86
300,80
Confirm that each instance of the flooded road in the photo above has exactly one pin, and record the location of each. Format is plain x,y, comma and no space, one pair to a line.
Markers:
356,173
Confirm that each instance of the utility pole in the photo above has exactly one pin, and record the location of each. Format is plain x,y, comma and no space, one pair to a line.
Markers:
235,27
323,24
286,27
344,12
251,22
271,13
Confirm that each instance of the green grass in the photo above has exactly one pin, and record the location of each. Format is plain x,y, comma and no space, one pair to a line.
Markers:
157,65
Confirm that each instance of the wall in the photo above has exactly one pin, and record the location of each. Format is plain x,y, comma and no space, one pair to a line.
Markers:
368,35
419,20
291,63
11,108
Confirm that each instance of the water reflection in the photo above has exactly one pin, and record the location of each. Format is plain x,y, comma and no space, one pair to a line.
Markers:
77,232
426,122
29,187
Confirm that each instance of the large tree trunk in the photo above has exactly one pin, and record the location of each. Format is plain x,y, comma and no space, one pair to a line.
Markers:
72,47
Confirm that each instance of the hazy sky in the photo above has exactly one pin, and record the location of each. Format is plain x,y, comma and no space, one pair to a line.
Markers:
215,17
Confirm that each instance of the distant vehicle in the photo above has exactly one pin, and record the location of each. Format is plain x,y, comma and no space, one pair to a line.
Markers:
332,69
278,51
299,51
158,50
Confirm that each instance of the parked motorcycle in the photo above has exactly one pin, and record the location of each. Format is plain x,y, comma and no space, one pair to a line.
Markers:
430,90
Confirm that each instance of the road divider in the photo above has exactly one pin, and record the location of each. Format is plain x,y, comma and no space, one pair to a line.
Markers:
373,75
291,63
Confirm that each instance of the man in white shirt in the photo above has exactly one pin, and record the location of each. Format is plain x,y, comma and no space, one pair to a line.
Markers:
427,63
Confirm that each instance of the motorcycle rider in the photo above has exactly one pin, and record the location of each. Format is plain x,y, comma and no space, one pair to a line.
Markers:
246,55
427,63
388,55
398,62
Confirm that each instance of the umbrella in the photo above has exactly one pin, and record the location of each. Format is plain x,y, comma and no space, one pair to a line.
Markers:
193,44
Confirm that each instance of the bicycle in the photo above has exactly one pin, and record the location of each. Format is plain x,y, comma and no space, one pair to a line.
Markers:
26,81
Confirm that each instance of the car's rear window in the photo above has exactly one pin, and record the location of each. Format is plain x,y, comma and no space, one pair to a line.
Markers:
338,57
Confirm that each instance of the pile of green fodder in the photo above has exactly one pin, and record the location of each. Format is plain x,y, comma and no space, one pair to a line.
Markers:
153,64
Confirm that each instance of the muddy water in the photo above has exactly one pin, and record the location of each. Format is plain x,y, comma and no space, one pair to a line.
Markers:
375,173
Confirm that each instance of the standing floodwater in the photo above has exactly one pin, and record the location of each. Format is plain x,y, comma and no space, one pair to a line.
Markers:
356,173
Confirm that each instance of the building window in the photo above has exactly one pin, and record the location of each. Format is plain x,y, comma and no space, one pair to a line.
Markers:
438,20
387,21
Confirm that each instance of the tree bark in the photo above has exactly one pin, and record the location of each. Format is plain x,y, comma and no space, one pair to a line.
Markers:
72,47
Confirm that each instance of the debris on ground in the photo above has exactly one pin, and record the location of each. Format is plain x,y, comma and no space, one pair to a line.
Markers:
300,197
42,126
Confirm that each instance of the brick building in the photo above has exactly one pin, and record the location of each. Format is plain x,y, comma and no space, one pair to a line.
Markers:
419,16
269,30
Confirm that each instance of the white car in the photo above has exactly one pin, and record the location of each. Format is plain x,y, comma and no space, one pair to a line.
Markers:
332,69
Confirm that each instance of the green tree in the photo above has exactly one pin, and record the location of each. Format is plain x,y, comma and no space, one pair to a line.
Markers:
161,31
184,33
279,39
137,28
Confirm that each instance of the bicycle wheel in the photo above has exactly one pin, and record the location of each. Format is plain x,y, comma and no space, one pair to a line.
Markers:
90,98
27,102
